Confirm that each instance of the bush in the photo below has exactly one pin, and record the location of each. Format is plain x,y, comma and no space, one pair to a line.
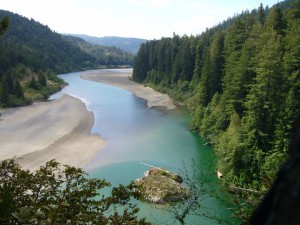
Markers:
56,194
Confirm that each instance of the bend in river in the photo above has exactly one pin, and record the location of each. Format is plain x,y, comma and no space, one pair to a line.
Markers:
158,137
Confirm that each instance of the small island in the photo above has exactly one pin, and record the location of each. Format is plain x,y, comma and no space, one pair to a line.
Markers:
161,186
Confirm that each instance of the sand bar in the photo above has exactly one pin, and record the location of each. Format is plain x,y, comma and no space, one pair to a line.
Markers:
120,78
58,130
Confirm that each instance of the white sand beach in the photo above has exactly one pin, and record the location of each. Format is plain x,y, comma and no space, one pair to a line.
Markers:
120,79
58,130
61,129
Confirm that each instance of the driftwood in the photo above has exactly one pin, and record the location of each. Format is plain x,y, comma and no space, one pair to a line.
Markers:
153,166
233,189
219,174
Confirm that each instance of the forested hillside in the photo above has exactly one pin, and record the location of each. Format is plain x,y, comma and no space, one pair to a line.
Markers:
130,45
241,81
31,54
102,55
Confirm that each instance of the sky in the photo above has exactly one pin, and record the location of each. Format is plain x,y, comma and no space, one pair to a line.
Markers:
149,19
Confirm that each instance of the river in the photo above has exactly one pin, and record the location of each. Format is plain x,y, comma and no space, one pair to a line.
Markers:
158,137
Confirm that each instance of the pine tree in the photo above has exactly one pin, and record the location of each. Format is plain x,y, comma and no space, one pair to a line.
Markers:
161,51
237,88
33,83
141,63
292,49
291,106
4,94
42,79
275,20
261,14
168,57
266,95
227,148
199,62
8,80
175,46
214,120
217,59
239,50
4,24
203,91
18,90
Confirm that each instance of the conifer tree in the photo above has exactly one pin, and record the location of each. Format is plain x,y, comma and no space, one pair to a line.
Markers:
238,54
275,20
33,83
201,48
203,90
261,14
4,24
141,63
4,94
227,148
42,79
266,94
18,90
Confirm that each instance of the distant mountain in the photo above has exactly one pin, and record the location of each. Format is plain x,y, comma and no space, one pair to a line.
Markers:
103,55
130,45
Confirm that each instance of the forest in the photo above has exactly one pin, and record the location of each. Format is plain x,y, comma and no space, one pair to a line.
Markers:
32,54
241,82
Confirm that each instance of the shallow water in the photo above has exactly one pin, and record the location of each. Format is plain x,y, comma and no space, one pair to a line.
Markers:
154,136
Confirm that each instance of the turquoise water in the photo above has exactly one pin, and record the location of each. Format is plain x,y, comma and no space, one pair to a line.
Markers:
158,137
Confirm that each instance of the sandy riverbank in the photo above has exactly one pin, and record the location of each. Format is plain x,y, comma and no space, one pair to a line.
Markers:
51,130
120,79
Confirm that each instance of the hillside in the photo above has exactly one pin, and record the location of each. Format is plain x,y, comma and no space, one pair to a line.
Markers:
31,43
130,45
241,81
102,55
31,55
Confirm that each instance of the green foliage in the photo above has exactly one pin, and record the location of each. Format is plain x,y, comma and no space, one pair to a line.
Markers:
56,194
42,79
4,24
244,94
33,83
130,45
214,120
102,55
34,45
31,54
227,147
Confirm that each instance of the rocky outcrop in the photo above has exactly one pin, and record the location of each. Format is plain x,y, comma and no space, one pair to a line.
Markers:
161,186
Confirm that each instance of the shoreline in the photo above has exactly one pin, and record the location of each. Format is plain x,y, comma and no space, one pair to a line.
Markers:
61,129
58,129
121,80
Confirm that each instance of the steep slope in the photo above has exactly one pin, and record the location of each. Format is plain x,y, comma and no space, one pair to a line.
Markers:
241,81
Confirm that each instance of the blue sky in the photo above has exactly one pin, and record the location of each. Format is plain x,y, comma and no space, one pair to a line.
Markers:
149,19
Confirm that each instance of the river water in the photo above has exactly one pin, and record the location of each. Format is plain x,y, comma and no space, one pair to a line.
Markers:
135,134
